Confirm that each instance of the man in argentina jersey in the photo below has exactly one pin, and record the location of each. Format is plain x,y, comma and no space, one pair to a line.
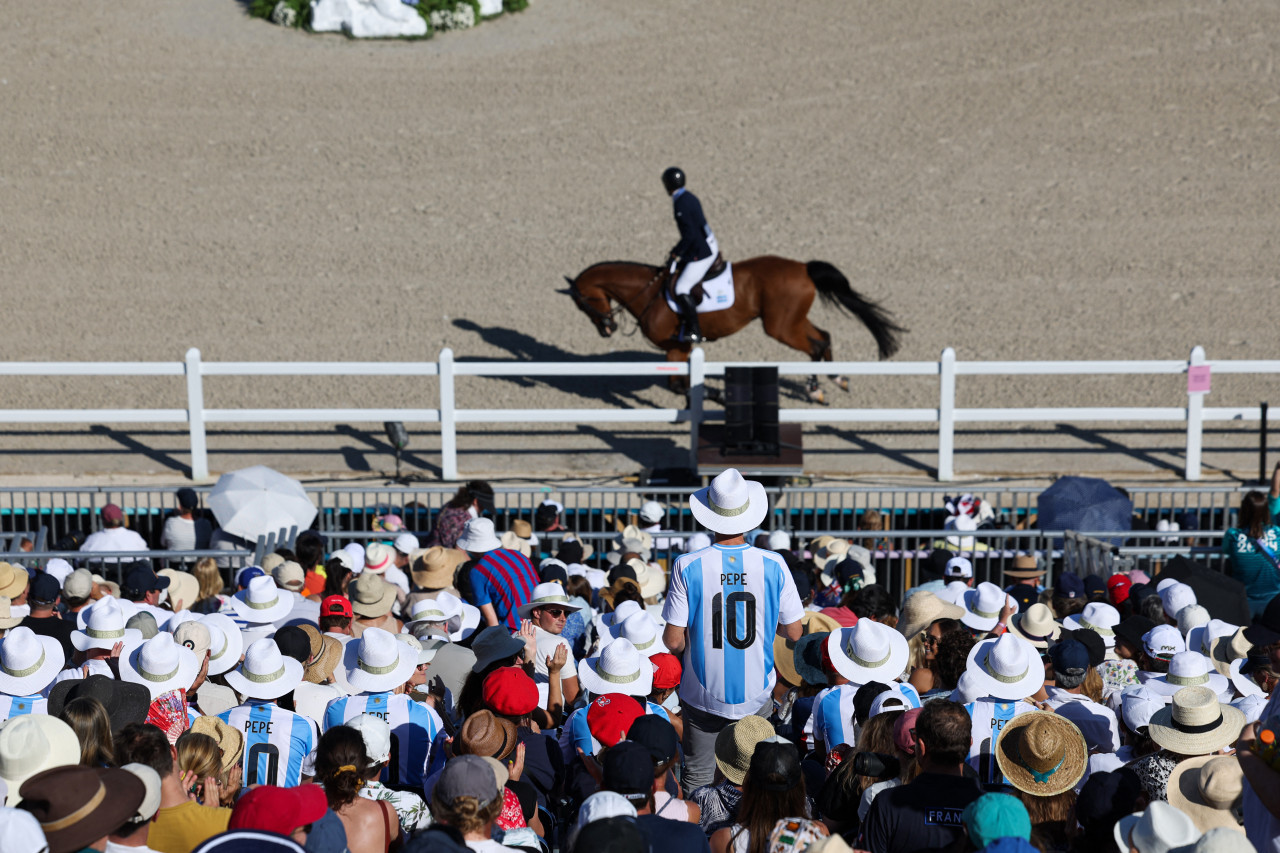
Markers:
379,667
29,663
723,607
1004,671
276,741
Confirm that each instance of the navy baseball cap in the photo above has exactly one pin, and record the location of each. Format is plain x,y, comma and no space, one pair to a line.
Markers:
803,586
656,735
628,770
1069,655
1069,586
1095,588
44,588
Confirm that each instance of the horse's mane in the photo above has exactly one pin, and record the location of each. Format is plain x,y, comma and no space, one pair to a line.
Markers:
614,264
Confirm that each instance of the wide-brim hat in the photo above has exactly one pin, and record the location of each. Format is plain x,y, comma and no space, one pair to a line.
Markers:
376,663
1006,667
736,744
127,607
29,662
7,619
183,587
730,505
869,651
1243,684
1224,650
322,668
1042,753
922,609
1025,567
1160,827
652,580
1188,669
642,630
435,567
478,537
1098,617
262,602
494,643
104,628
1036,626
371,596
625,609
265,672
444,608
160,665
32,743
1205,788
1196,723
125,702
546,595
619,668
223,659
76,806
982,606
13,580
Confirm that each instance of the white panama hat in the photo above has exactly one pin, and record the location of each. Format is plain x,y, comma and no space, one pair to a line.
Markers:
624,610
546,595
982,606
262,603
104,628
32,743
265,673
28,662
1201,637
1188,669
953,592
1138,705
1243,684
1099,617
224,656
160,665
868,651
1162,828
619,668
444,608
1007,667
128,608
641,630
478,537
376,663
730,505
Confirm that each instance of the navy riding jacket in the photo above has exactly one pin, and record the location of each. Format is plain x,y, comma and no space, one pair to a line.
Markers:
693,227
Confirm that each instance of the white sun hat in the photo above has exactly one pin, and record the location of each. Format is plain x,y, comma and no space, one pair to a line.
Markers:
547,595
641,630
261,603
651,512
620,668
378,558
1099,617
28,662
32,743
1138,705
1007,667
730,505
982,605
623,611
1243,684
355,553
953,592
128,608
478,537
1162,828
265,673
1190,617
104,628
406,543
1188,669
160,665
224,655
867,652
1201,637
447,611
376,663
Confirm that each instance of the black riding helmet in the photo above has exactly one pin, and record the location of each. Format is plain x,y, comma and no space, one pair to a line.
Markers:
673,179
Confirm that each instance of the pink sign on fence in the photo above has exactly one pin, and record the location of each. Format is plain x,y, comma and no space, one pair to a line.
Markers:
1198,379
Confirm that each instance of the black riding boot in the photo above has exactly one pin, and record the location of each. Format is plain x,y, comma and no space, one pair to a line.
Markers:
690,330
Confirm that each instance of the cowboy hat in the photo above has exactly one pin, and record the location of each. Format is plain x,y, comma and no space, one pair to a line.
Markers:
224,655
371,596
1196,723
434,568
869,651
261,602
265,672
77,806
982,606
922,609
1036,626
619,668
28,662
547,595
1206,788
730,505
1188,669
183,588
1041,753
160,665
376,663
1098,617
124,701
486,734
478,537
104,628
32,743
641,629
1006,667
230,739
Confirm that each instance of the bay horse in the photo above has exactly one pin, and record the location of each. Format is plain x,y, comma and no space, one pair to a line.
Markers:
777,290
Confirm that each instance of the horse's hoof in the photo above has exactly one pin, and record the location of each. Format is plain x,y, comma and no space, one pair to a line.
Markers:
818,397
842,382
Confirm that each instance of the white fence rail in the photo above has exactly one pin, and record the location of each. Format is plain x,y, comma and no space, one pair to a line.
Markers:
946,415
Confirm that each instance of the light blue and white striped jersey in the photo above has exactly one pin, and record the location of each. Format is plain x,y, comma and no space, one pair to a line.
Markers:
413,728
20,706
275,742
832,715
732,599
988,718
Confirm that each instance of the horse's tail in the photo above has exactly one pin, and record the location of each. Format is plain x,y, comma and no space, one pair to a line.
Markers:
834,289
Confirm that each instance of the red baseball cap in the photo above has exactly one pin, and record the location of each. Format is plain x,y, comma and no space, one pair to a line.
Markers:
610,717
1118,588
509,691
336,605
279,810
666,670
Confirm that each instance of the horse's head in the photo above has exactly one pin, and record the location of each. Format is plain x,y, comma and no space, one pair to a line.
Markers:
594,302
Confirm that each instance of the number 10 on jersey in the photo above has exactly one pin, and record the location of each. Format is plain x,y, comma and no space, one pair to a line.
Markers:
733,619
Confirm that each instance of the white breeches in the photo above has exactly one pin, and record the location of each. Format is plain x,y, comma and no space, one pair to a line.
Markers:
695,270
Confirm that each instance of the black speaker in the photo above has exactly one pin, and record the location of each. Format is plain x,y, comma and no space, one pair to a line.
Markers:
739,387
764,382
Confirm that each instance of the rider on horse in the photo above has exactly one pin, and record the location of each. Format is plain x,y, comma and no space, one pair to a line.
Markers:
697,250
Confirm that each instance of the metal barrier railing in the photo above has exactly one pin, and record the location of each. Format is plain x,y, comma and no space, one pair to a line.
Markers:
110,564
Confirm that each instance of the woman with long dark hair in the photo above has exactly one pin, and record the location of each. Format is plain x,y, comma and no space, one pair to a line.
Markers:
774,792
1252,547
342,766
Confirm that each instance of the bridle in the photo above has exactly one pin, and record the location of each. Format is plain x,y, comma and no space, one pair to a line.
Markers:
608,320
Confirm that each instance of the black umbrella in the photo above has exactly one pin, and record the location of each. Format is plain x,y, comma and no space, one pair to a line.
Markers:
1083,503
1222,596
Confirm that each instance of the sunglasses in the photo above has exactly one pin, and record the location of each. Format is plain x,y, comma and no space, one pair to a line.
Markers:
928,639
555,612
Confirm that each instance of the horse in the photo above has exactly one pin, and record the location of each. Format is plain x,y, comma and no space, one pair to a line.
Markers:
777,290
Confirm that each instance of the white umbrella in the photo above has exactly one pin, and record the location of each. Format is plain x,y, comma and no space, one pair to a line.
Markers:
258,501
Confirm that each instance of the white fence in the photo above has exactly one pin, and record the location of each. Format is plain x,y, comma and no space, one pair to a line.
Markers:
946,415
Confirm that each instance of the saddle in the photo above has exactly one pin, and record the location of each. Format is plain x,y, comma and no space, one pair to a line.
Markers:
717,267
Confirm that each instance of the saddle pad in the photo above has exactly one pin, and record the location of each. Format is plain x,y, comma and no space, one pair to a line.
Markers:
717,293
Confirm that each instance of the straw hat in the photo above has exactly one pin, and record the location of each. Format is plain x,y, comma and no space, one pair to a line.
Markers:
546,595
32,743
230,739
376,663
1041,753
321,669
736,744
104,628
265,672
183,588
28,662
1206,788
792,661
641,630
224,654
1188,669
1007,667
13,580
1036,626
1025,567
730,505
7,619
434,568
1196,723
378,558
619,668
513,542
261,603
828,556
160,665
982,606
1162,828
868,651
478,537
1098,617
922,609
652,580
1224,650
371,596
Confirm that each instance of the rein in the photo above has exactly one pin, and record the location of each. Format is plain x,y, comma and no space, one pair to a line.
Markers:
613,314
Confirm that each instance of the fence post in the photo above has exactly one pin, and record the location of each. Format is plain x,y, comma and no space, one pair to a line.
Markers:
1195,420
947,416
448,426
195,416
697,389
